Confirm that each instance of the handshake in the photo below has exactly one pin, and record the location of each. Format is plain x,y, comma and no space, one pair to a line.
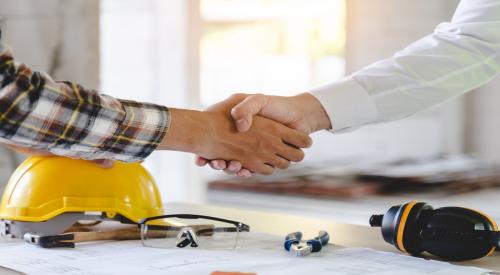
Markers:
248,134
242,135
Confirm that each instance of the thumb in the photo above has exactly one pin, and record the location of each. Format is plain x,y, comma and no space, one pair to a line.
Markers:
245,110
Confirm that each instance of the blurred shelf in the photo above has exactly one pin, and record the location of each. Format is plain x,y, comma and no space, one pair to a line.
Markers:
353,211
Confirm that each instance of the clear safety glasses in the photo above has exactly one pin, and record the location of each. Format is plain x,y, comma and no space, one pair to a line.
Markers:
186,230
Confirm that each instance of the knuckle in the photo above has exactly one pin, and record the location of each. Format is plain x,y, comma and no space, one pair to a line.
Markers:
257,98
237,95
253,163
266,144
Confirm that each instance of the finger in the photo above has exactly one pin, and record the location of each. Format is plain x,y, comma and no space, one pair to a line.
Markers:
259,164
201,161
228,103
265,169
245,110
295,138
234,166
218,164
245,173
290,153
280,162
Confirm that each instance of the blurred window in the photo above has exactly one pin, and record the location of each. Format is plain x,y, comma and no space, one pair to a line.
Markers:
127,32
269,46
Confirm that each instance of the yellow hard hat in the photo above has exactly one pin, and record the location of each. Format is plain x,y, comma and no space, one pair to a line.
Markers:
42,188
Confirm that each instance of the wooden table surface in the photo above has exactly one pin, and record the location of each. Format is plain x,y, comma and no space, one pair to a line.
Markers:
280,224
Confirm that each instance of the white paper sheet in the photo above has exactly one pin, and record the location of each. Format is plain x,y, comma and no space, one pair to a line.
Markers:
263,255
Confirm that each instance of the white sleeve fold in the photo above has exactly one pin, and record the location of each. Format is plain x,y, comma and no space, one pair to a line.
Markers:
457,57
347,104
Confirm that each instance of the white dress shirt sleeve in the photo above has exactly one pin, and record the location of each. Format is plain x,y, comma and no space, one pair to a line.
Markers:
459,56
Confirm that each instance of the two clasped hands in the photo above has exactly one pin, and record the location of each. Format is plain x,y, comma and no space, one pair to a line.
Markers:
248,134
242,135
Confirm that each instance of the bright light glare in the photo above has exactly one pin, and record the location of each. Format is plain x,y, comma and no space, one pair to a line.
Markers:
270,46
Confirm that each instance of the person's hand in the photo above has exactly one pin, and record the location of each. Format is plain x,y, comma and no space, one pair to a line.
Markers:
104,163
301,112
211,134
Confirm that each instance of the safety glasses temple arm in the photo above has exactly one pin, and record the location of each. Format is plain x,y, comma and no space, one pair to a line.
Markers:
242,227
222,229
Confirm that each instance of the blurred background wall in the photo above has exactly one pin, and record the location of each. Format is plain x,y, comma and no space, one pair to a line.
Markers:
482,126
54,36
377,29
192,53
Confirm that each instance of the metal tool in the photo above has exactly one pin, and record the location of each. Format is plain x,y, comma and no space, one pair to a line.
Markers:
295,245
69,239
82,233
50,241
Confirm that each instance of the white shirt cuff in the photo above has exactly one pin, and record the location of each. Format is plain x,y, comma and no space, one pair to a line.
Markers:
347,104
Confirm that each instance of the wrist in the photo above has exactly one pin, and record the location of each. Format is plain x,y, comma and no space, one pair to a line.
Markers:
314,112
185,132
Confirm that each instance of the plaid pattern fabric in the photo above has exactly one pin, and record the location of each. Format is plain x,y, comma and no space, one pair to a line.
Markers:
69,120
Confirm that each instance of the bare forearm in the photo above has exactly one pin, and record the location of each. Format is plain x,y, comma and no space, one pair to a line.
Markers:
186,131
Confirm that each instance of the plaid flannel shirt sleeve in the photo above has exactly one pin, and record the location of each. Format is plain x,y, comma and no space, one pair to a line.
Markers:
66,119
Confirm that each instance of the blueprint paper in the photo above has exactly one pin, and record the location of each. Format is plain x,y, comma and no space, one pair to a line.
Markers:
263,254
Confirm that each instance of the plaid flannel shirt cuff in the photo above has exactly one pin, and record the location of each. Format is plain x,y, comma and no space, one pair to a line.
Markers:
132,138
141,132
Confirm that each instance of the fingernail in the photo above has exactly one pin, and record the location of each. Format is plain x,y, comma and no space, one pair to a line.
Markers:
217,165
233,167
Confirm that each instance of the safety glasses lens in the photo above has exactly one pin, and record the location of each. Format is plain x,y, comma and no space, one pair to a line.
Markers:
191,233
